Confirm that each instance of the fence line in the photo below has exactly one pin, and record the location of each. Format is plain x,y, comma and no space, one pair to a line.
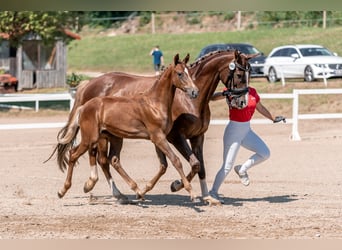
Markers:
6,98
294,96
295,108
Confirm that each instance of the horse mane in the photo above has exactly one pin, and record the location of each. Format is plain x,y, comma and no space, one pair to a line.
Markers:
200,62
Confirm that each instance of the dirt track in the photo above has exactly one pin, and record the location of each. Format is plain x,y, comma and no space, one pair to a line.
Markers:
296,194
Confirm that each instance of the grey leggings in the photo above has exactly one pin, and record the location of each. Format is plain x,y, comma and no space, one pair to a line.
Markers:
238,134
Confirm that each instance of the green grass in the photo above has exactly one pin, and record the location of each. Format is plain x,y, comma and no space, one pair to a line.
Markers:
130,53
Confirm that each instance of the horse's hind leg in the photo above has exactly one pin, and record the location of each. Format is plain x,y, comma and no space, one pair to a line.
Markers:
104,163
75,153
89,185
114,156
162,169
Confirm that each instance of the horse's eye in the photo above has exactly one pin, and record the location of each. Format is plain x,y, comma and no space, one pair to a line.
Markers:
180,74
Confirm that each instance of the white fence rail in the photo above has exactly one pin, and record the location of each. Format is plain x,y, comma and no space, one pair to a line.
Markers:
12,98
66,96
295,108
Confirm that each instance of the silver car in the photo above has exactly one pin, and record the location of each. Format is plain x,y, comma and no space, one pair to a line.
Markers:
307,61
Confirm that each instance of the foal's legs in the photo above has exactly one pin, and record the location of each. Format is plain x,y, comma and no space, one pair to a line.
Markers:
162,169
179,141
89,185
75,153
114,157
102,159
164,146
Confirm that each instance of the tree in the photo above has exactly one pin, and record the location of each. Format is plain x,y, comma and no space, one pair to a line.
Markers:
48,25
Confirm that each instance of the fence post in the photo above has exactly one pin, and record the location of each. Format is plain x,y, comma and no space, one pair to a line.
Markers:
324,75
153,23
71,103
37,105
239,20
295,135
282,77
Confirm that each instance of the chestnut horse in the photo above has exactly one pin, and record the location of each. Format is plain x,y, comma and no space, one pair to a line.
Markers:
144,116
191,117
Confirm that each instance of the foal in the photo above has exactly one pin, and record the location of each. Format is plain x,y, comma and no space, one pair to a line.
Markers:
144,116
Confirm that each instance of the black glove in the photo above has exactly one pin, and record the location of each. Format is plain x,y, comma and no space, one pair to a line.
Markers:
279,119
225,93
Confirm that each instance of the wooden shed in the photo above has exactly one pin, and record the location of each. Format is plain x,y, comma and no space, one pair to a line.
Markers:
35,64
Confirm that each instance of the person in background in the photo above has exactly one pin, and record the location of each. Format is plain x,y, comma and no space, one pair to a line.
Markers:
158,59
238,133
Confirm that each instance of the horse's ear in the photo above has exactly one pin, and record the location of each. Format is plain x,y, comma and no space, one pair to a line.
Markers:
186,59
252,55
236,54
176,59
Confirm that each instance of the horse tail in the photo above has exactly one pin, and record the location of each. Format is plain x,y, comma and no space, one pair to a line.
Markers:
66,138
68,134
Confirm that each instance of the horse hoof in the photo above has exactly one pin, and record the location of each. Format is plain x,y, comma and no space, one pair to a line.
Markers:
176,186
212,201
89,185
120,196
60,195
140,197
195,199
86,188
123,201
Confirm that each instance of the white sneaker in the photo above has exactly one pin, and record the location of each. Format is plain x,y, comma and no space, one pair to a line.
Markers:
216,196
243,176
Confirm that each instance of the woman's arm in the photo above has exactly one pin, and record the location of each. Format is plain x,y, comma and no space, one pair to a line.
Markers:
264,111
217,96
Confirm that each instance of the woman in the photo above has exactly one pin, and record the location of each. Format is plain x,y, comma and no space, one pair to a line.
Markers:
238,133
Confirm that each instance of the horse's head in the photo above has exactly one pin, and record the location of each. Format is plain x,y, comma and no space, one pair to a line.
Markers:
237,79
181,77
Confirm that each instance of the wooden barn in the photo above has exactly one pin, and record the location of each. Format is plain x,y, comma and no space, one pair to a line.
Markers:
34,64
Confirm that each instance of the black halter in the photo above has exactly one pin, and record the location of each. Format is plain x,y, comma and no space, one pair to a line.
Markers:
231,86
229,83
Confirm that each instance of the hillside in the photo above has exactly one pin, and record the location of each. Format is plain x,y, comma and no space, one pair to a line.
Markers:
178,23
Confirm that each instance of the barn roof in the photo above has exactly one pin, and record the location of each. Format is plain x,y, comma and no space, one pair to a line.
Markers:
72,34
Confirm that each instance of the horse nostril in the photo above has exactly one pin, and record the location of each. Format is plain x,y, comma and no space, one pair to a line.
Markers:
194,93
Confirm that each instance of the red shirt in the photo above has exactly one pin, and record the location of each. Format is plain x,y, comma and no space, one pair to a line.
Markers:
245,114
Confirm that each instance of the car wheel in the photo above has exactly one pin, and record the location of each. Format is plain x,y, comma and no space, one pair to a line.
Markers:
272,75
308,74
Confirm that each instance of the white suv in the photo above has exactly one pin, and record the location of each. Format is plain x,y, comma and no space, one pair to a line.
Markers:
309,62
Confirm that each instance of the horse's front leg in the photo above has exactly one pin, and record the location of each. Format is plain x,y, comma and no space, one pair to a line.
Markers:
163,145
162,170
180,143
196,158
197,147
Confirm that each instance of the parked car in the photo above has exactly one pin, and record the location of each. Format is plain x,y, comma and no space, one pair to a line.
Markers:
308,61
257,63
